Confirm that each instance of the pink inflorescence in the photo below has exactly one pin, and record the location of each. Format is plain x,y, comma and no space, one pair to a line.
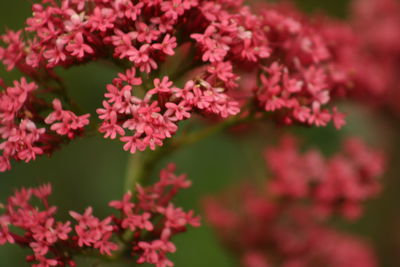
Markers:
147,121
379,52
277,233
179,57
143,228
285,222
25,132
341,183
368,59
298,80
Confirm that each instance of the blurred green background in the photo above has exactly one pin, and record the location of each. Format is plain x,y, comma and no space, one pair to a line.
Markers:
90,171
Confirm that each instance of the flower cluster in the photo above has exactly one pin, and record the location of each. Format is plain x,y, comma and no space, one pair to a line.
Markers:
275,234
212,58
297,81
380,52
143,228
368,59
155,117
24,133
280,223
337,184
219,60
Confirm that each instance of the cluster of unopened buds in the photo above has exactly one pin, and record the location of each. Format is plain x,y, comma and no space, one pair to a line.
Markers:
284,222
143,227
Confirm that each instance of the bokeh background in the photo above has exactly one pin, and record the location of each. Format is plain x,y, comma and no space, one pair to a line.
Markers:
91,171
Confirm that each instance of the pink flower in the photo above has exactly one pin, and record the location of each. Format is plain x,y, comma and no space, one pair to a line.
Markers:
176,218
102,19
65,122
167,46
42,192
106,247
132,222
5,236
162,86
44,262
29,223
338,118
39,248
327,182
178,112
125,205
77,47
85,219
129,77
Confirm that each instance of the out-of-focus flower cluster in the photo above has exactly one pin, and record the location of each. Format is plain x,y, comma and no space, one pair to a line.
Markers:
143,227
367,48
285,222
339,184
227,59
378,72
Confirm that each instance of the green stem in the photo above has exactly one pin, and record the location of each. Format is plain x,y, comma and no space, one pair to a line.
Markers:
140,165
